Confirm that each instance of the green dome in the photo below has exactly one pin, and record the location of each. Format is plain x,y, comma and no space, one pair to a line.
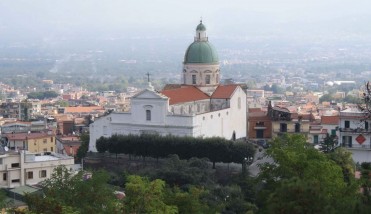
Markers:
201,27
201,52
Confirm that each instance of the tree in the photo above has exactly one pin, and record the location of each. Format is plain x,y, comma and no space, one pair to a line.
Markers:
300,177
83,149
343,158
144,196
65,190
188,201
329,142
326,98
366,101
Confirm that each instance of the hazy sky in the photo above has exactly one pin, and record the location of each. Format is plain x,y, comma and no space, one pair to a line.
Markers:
40,18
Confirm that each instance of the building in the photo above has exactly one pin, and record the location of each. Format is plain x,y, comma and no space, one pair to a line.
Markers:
287,120
68,145
199,107
33,142
329,125
24,110
259,124
26,168
355,134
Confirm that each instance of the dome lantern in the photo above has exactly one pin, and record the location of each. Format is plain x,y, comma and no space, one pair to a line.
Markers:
200,32
201,62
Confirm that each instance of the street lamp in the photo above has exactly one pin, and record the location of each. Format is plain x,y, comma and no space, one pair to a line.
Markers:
246,161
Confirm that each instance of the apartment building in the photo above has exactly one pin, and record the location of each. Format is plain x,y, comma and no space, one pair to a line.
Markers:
33,142
25,168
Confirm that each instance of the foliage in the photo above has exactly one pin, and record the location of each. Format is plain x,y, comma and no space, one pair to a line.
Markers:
83,149
144,196
274,88
366,101
343,158
42,95
329,142
66,191
215,149
180,173
326,98
301,177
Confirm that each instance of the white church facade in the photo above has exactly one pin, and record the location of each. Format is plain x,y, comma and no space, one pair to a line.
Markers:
200,107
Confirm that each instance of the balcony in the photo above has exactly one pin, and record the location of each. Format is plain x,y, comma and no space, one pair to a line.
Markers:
290,131
357,146
260,127
357,130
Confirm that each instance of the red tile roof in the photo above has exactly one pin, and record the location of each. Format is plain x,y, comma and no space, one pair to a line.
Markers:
184,94
330,120
224,91
23,136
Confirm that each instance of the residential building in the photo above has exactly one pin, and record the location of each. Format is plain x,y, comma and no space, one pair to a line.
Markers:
33,142
259,124
27,168
287,120
355,134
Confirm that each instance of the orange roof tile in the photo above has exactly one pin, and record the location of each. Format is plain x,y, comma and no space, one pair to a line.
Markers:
184,94
23,136
224,91
82,109
330,120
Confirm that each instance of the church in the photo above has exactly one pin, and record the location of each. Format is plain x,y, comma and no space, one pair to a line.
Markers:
199,107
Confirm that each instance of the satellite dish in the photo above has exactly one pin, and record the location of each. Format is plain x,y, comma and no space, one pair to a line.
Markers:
6,148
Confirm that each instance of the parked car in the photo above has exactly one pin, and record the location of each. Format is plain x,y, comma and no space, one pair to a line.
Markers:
263,143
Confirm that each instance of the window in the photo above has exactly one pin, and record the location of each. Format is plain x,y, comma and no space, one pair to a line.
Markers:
15,165
283,127
5,176
148,115
42,173
259,124
193,79
315,139
51,139
347,141
1,161
297,127
207,79
346,124
29,175
45,149
45,141
51,149
239,103
366,125
15,181
333,132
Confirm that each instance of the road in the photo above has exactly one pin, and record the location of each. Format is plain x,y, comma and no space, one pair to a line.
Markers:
259,158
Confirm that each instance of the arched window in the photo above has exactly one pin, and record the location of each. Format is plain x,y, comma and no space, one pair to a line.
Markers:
148,115
193,79
207,79
239,103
